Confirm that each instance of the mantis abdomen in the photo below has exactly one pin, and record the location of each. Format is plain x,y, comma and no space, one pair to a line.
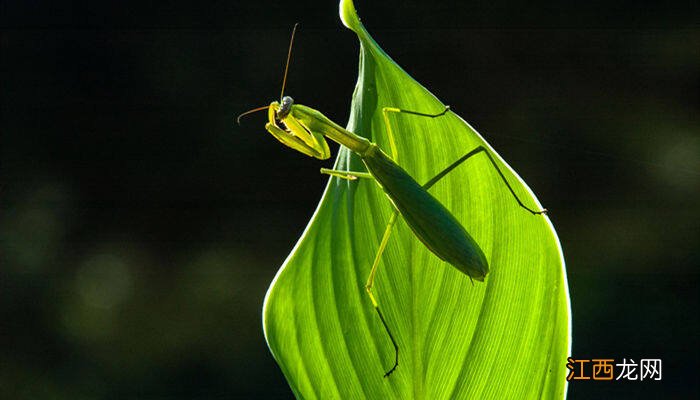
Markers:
429,220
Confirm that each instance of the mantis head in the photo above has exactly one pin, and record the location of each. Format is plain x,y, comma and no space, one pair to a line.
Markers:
288,125
297,126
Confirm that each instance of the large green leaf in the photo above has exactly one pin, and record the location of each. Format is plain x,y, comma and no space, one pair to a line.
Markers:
507,337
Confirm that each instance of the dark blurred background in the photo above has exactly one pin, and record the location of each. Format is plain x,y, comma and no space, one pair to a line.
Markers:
140,227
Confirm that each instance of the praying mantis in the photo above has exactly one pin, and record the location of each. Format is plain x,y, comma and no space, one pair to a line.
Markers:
305,130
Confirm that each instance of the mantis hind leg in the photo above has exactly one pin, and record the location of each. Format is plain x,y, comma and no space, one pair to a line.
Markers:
389,227
370,284
480,149
352,175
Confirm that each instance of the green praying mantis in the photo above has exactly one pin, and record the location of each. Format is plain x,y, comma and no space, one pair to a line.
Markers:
305,130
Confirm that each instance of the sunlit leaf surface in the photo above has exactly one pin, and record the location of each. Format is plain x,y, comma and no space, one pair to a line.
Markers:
507,337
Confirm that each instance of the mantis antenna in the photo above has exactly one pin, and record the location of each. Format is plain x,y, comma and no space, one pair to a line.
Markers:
284,80
238,119
289,56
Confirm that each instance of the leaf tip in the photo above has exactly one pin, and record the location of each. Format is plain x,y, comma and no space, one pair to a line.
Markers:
348,14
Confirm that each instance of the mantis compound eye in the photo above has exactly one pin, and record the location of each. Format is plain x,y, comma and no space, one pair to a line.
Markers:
285,107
